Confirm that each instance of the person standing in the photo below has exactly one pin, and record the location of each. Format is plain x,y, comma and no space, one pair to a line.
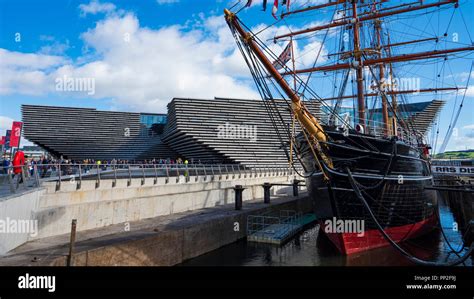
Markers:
31,166
44,167
186,171
18,164
5,166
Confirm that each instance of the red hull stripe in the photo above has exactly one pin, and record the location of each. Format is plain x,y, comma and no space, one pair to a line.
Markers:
349,243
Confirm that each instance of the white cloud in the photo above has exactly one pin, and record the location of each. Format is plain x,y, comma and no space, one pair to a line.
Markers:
468,130
462,90
142,69
55,48
5,124
463,76
460,143
469,92
161,2
308,55
27,73
293,4
469,127
95,7
305,53
17,60
139,68
48,38
145,68
462,140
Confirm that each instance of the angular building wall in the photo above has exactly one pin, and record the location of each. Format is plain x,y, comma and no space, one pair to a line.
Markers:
82,133
422,120
195,126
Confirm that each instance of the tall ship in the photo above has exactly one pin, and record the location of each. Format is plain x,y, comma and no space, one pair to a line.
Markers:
363,156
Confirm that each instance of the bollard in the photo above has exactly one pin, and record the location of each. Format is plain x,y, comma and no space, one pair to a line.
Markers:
295,187
266,192
79,182
155,180
97,182
238,196
71,242
114,182
58,183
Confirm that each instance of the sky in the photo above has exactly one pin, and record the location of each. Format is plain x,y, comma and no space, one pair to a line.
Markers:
141,54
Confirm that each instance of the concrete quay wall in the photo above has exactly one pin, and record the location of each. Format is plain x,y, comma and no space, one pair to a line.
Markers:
18,219
99,206
177,243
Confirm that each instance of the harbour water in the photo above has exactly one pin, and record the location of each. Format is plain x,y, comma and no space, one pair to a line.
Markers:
312,248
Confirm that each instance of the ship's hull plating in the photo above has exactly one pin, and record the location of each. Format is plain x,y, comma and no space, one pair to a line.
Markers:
392,177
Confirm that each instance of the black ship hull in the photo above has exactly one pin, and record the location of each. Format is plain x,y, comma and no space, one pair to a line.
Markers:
392,176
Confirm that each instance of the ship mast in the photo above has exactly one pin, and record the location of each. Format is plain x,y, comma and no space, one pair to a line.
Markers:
358,67
382,83
392,94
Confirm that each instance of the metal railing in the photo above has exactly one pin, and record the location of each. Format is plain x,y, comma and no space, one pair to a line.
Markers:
377,128
32,176
273,227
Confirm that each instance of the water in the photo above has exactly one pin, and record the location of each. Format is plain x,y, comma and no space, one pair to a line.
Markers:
312,248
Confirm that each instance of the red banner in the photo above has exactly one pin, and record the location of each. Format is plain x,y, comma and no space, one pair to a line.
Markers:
2,141
16,133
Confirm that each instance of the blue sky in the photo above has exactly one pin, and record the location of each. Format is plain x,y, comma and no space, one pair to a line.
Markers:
143,53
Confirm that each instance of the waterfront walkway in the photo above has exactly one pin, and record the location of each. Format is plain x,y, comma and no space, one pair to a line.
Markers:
77,173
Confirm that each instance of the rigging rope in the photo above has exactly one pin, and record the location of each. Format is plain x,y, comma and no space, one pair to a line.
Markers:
262,87
440,227
338,103
393,243
451,125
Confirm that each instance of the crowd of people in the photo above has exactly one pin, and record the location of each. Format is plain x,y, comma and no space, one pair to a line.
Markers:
45,165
